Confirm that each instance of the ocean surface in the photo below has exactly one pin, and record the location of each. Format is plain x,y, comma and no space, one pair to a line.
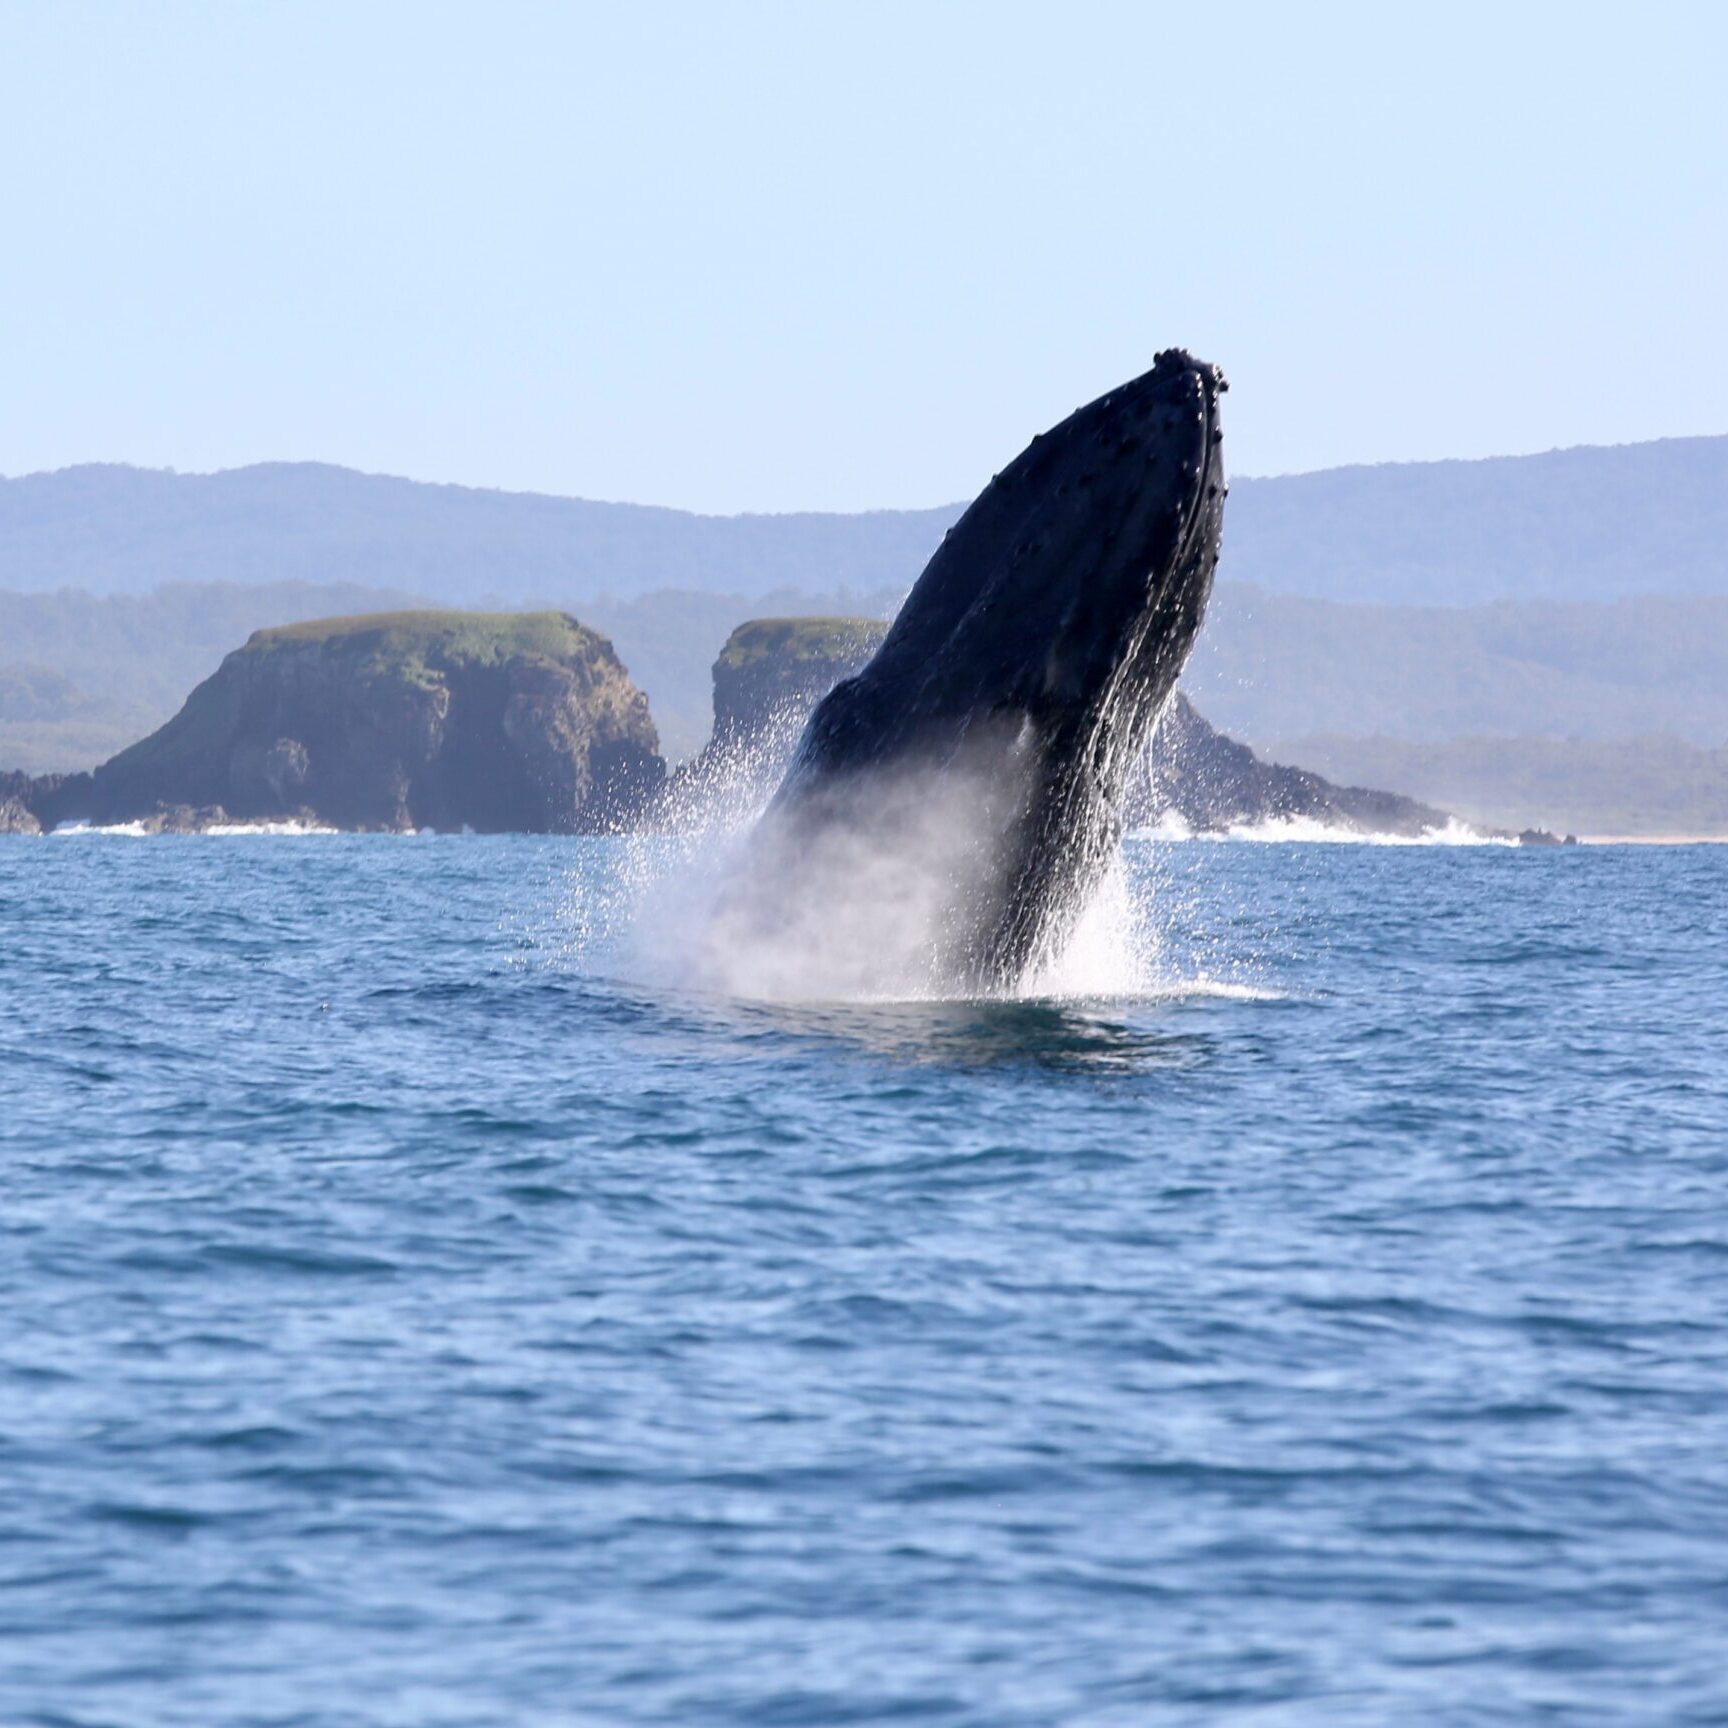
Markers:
413,1311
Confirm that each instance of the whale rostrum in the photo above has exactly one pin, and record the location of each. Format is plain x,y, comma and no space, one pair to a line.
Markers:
952,807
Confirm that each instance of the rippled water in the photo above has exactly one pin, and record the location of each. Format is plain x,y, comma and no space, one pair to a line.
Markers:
403,1320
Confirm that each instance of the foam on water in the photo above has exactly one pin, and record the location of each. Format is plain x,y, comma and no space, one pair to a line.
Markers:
219,830
230,830
1308,830
123,830
663,933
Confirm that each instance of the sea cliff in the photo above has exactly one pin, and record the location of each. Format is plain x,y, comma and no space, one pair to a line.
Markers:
773,671
528,722
447,720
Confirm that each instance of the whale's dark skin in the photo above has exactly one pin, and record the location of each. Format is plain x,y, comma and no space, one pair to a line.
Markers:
1022,678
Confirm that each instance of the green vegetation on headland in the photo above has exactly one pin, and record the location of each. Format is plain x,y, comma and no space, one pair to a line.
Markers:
799,641
771,669
1546,604
451,720
1367,695
415,640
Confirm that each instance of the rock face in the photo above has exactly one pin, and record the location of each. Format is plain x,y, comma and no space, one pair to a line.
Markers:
775,666
46,800
950,807
768,678
1211,783
1193,773
449,720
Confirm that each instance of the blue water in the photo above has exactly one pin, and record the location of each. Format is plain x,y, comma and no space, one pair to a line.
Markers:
404,1321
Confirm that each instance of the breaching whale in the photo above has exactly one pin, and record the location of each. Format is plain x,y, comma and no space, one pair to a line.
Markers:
951,808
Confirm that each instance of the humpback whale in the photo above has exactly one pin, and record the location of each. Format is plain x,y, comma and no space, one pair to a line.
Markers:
951,808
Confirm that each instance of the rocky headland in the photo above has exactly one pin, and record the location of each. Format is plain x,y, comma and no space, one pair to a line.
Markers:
529,722
773,671
495,722
16,817
1210,783
768,678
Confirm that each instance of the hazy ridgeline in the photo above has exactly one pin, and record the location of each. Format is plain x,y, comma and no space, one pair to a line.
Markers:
1490,636
1584,524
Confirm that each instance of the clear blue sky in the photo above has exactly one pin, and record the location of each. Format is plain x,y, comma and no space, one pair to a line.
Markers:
827,256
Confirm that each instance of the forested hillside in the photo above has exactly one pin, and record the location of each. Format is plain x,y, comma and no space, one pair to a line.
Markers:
120,530
82,675
1636,786
1585,524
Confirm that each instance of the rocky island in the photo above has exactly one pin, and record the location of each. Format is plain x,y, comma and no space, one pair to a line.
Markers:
773,671
528,722
494,722
768,678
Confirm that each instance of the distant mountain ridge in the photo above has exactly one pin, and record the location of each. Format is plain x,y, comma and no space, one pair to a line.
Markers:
1590,523
115,529
1593,522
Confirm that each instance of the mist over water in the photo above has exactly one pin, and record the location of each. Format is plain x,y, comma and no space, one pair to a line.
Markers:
865,910
874,894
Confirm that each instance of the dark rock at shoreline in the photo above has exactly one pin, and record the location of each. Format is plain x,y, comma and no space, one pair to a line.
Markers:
1212,783
49,799
510,722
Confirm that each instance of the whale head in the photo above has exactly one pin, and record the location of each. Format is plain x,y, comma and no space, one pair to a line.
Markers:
976,766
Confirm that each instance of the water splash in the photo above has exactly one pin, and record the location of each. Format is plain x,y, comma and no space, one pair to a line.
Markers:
876,905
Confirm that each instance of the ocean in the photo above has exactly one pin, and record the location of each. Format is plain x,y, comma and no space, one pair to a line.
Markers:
415,1308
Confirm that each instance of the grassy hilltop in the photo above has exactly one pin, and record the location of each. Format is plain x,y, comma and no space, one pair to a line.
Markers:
411,649
799,641
496,721
419,646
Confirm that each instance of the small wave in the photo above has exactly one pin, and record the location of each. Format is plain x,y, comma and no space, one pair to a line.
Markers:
224,830
1185,989
232,828
1309,830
